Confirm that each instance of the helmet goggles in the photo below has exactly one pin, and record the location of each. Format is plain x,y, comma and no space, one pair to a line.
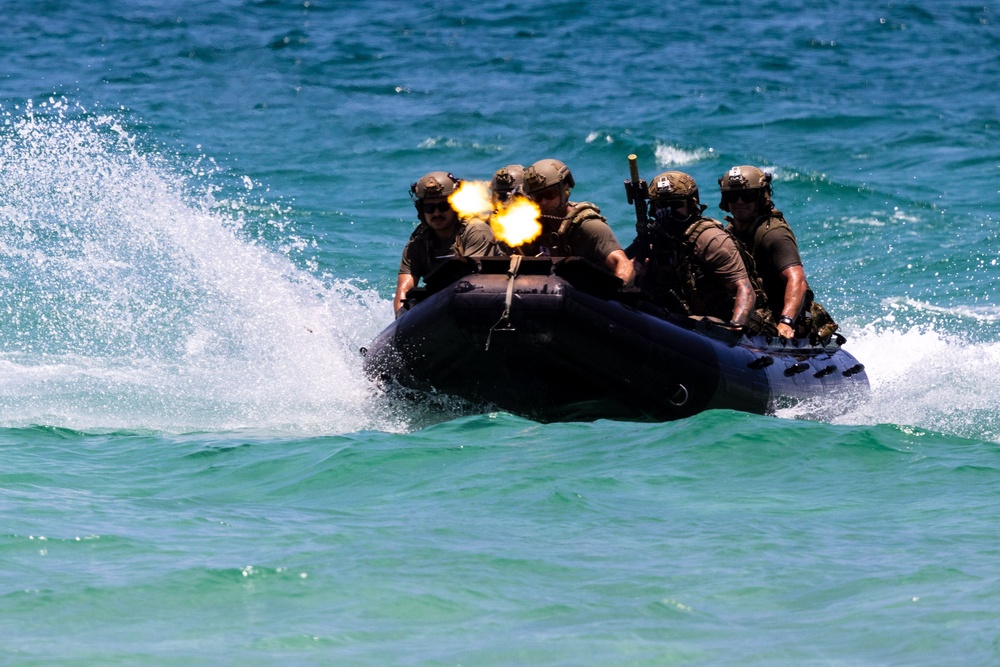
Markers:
749,196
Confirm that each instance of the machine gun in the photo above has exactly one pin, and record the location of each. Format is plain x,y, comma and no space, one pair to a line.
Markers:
637,193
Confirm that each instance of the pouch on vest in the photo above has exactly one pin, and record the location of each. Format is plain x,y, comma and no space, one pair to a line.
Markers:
814,322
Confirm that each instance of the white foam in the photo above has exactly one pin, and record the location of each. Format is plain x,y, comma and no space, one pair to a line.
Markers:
920,377
979,313
135,299
672,156
600,136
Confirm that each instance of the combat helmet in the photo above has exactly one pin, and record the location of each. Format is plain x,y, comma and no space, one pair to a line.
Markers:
433,185
675,185
744,177
507,181
546,173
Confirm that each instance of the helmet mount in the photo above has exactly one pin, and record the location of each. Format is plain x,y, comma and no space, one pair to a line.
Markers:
433,185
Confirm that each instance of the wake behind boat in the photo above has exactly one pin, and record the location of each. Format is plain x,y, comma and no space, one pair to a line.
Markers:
555,340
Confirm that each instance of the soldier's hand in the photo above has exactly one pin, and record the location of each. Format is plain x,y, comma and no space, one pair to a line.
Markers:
639,268
662,216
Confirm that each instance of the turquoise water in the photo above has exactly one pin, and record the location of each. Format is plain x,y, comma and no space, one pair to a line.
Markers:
202,206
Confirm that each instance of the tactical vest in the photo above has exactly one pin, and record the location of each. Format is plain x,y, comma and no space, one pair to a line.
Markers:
424,238
774,220
755,280
813,321
575,216
558,241
701,292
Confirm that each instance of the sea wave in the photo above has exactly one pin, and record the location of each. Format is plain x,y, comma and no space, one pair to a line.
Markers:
138,297
922,377
668,155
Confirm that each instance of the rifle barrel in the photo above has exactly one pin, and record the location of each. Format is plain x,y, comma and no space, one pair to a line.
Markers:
633,168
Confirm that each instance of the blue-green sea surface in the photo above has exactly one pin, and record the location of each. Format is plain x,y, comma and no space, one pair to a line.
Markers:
202,209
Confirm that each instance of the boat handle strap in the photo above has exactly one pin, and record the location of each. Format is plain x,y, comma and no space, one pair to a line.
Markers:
515,266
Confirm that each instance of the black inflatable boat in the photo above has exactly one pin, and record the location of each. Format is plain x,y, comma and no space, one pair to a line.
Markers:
556,340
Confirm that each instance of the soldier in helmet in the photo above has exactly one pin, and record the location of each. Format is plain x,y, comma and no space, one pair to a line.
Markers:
440,235
507,182
746,195
694,266
571,228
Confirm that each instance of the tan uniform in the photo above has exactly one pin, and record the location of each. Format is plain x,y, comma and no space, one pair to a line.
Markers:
691,273
586,235
771,242
425,250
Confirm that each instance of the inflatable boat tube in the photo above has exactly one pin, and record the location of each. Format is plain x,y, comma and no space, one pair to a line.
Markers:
557,340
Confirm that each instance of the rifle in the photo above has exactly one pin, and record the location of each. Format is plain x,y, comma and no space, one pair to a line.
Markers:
637,193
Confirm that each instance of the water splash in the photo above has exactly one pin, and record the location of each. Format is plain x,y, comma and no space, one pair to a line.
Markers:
921,377
132,297
668,156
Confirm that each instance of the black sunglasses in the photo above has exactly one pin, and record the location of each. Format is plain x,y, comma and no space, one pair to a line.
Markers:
746,196
546,193
440,206
659,204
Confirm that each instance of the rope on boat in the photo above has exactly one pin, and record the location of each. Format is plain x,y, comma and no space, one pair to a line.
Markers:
515,266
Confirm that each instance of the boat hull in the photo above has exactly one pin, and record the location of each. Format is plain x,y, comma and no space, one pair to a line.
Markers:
562,352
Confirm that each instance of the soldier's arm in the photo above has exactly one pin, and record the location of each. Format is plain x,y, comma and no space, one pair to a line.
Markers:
744,300
795,294
721,255
404,283
621,266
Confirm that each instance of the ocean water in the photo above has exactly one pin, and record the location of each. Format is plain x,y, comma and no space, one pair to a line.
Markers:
202,207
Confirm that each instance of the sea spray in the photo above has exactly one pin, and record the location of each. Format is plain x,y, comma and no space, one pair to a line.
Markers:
134,297
920,378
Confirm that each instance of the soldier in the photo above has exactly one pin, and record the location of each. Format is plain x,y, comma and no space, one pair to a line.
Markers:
440,235
571,228
694,266
746,195
507,182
